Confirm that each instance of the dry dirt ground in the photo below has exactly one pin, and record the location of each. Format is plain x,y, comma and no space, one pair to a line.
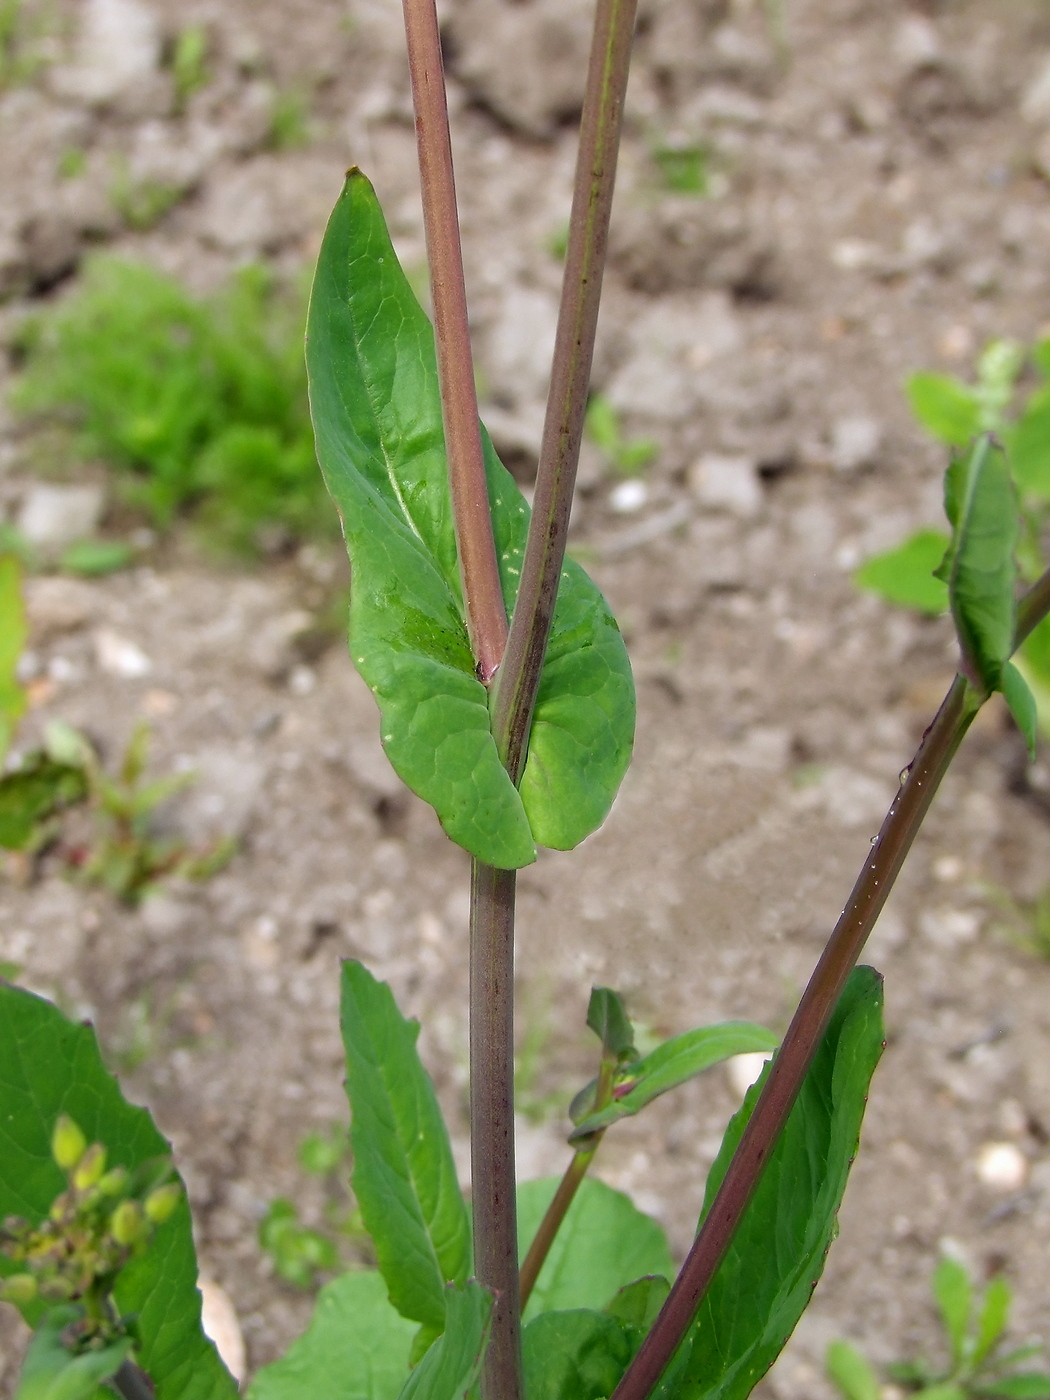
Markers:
877,206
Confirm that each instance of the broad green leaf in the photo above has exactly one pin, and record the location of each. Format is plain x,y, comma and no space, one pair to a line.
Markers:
32,793
48,1066
946,1390
1028,447
954,1295
356,1348
50,1372
404,1176
675,1062
983,571
607,1017
639,1302
945,407
377,418
991,1324
905,575
577,1355
451,1366
13,633
1022,703
777,1255
604,1243
851,1372
1026,1385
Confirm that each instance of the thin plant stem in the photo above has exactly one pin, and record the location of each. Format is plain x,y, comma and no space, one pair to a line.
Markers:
471,509
517,680
552,1220
567,1187
492,1122
132,1383
920,782
800,1044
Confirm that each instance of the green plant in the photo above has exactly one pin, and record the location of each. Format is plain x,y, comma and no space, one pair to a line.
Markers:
974,1330
142,202
289,120
189,63
914,574
22,27
71,162
197,406
684,169
627,456
506,701
124,854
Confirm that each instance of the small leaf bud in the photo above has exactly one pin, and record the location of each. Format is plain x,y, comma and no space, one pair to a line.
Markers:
114,1182
126,1224
90,1168
160,1204
68,1143
19,1289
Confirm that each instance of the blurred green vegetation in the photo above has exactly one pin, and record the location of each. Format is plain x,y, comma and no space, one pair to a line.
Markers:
197,405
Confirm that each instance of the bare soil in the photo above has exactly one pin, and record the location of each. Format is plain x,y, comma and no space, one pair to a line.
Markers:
877,206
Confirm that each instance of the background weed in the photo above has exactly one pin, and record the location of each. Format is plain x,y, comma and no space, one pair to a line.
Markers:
196,405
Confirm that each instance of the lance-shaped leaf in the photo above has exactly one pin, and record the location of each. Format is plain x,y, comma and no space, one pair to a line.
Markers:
50,1066
673,1063
981,572
605,1243
377,417
404,1176
905,575
607,1017
450,1367
777,1255
982,507
51,1372
356,1347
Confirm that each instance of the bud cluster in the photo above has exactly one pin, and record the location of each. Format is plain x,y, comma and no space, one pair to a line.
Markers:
93,1228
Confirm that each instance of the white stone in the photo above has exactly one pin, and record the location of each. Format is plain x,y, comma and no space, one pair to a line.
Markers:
52,517
727,483
219,1322
916,42
118,656
1001,1166
1035,102
119,48
628,496
855,443
743,1070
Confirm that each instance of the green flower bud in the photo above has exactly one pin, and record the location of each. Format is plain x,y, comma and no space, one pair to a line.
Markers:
114,1182
68,1143
90,1168
160,1204
126,1224
18,1289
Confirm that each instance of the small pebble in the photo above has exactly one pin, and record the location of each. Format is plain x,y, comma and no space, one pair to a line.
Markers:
743,1070
55,516
219,1322
855,443
1001,1166
119,657
727,483
628,496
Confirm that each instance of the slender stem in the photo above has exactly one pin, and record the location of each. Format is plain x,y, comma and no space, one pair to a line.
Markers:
492,1122
923,777
551,1222
792,1061
471,511
518,678
132,1383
